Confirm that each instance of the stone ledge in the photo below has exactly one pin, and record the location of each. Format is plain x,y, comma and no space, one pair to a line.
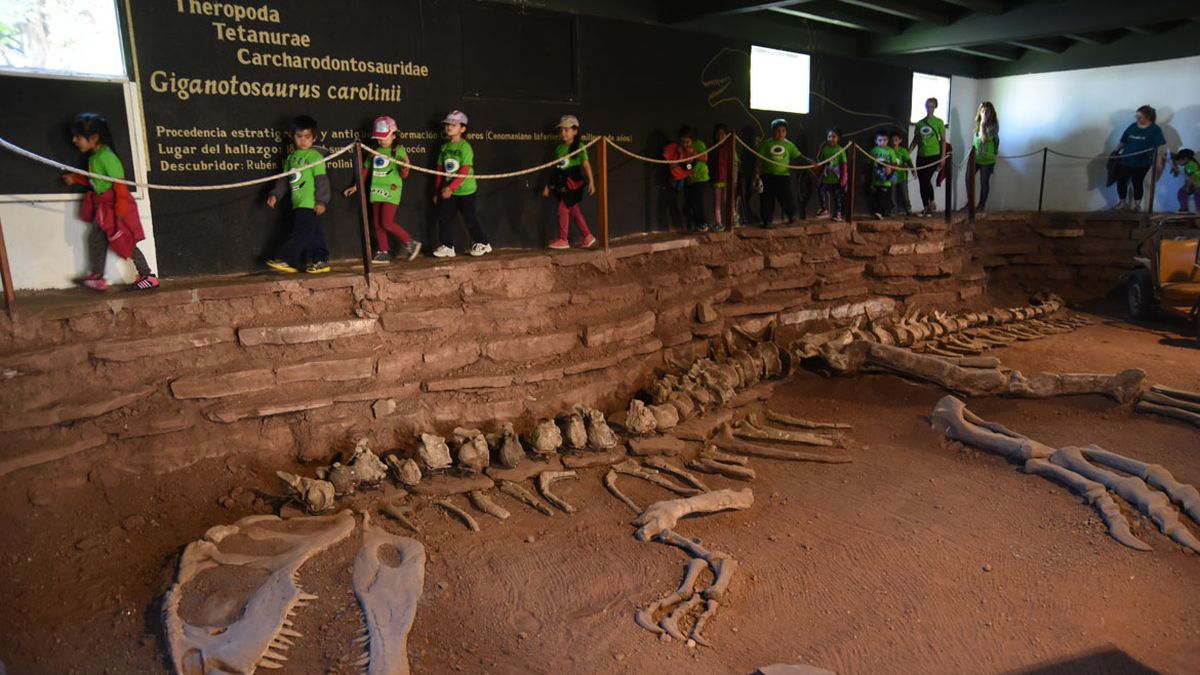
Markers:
619,331
128,350
530,347
467,383
83,406
222,385
306,332
328,370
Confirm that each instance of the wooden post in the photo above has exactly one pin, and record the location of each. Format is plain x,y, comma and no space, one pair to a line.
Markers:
730,205
851,184
971,186
361,187
1042,189
10,296
602,189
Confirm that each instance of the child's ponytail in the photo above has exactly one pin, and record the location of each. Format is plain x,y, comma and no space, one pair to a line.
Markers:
577,141
92,124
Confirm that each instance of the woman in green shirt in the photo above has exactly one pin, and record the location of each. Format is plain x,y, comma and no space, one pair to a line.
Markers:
929,140
986,142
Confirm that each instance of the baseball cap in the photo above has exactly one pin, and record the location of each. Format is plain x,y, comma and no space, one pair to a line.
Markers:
455,117
778,122
568,121
382,127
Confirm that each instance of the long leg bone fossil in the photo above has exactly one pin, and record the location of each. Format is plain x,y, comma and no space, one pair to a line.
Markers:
726,441
645,616
754,428
1150,488
225,633
1181,405
789,421
388,592
519,493
467,518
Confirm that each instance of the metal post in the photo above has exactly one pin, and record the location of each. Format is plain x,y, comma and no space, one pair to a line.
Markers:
10,296
362,210
971,186
1153,182
730,183
948,167
1042,189
852,184
602,189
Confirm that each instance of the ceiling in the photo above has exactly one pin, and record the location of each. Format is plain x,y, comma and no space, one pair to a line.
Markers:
964,37
1004,31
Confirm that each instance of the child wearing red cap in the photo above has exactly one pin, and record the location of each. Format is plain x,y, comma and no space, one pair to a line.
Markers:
568,183
385,181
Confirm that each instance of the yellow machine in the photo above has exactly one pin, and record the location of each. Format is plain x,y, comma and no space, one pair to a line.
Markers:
1167,276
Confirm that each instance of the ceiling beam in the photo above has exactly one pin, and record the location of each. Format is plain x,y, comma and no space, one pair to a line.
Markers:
1104,37
981,6
841,20
904,10
679,11
1036,20
993,52
1043,45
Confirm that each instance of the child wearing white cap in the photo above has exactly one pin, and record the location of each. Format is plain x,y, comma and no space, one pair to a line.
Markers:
457,195
571,175
385,183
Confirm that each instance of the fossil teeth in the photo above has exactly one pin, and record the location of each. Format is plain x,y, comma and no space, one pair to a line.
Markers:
264,663
275,655
288,631
307,596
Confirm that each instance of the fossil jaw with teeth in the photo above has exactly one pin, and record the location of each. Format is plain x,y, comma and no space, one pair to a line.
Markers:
221,635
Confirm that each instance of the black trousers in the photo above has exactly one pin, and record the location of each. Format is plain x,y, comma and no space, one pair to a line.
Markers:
832,196
925,179
98,253
448,208
985,183
695,205
900,196
1137,174
306,240
777,188
881,199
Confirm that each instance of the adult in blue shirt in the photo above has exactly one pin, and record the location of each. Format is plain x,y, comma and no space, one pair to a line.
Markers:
1139,149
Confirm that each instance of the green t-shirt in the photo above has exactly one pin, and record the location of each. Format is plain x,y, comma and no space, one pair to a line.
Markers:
985,152
903,158
830,174
562,150
700,168
304,184
879,174
454,156
386,182
105,162
779,151
930,132
1192,170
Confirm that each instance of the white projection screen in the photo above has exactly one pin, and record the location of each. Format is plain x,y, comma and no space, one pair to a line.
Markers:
778,80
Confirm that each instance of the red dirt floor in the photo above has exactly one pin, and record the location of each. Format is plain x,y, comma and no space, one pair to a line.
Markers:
915,558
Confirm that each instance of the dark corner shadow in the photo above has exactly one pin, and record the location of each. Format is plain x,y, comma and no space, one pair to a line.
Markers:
1105,661
1179,342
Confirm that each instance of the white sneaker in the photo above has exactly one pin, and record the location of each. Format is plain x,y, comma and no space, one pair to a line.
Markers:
443,252
478,249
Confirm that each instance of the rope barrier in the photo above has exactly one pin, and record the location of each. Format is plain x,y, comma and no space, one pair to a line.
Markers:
1105,157
798,167
655,160
158,186
489,176
880,162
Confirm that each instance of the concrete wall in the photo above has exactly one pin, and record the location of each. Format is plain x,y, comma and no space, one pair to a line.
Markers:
1078,112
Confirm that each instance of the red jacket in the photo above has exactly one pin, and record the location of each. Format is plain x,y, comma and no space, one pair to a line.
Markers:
116,213
675,151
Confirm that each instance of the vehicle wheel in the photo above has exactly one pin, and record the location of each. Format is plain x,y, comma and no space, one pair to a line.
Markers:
1139,294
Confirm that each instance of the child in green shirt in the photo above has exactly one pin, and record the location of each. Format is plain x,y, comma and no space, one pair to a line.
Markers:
695,204
833,175
571,175
457,195
309,188
108,205
774,174
900,177
881,176
384,181
1185,160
